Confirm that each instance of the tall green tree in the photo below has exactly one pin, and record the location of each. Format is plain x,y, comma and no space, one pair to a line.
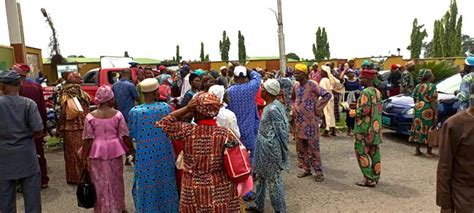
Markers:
447,34
242,51
417,37
224,47
437,43
178,57
203,56
321,47
325,43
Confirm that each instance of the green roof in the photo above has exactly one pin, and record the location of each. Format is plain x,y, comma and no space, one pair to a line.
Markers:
146,61
97,60
268,58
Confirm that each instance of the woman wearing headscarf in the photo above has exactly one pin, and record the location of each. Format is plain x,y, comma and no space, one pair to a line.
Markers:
195,82
106,140
225,118
165,81
70,128
367,131
327,84
425,115
206,186
353,89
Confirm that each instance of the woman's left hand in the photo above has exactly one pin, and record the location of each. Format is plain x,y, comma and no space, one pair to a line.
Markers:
191,107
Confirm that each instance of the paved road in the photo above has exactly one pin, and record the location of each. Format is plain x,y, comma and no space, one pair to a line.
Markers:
407,184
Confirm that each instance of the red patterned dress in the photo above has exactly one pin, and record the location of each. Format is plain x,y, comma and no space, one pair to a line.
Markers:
205,185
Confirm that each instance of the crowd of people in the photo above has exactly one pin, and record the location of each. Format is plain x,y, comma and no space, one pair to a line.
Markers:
173,127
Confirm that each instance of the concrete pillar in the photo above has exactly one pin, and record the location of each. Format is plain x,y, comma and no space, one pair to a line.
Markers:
15,29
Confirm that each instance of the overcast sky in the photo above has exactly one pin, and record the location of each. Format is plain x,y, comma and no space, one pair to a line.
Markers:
147,28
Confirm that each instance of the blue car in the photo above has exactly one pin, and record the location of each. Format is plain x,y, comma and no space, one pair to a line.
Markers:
397,111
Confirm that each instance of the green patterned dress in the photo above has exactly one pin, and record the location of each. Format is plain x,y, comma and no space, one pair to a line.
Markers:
423,115
367,133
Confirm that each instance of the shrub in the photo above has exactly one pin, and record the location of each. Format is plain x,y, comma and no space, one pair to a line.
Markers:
441,70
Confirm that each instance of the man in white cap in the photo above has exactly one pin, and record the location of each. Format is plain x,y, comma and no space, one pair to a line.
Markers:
154,168
271,152
224,78
242,98
242,102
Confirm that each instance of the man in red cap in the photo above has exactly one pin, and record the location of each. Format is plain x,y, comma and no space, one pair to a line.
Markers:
32,90
367,131
162,69
394,80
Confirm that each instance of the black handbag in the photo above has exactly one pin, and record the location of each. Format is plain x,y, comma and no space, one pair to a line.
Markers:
85,191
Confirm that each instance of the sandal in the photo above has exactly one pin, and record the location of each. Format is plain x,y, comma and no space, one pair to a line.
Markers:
304,174
366,184
249,197
417,154
319,178
253,209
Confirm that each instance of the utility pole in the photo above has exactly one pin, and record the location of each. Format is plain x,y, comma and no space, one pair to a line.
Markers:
15,30
281,38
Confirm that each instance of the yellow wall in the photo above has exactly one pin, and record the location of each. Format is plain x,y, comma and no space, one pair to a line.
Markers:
323,62
254,64
458,61
217,65
359,61
387,65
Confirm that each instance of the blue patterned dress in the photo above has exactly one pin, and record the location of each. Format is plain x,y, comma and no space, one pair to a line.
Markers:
243,104
154,187
271,156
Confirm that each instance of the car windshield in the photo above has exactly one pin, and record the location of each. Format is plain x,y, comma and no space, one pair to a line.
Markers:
450,84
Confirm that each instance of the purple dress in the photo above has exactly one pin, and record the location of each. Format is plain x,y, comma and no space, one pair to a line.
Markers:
106,165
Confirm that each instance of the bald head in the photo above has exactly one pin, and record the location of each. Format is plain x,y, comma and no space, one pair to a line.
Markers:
126,74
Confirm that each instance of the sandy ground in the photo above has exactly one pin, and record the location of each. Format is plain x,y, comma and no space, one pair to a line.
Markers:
408,183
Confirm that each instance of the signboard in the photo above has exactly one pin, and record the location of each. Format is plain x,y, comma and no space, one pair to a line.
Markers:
7,57
33,62
107,62
66,67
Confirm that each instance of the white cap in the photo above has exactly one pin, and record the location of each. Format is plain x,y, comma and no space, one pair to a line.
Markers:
272,86
149,85
223,68
240,70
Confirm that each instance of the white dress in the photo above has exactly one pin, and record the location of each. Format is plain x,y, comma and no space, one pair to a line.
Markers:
329,109
227,119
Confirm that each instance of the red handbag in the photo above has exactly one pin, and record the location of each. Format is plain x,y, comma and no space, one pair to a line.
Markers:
236,161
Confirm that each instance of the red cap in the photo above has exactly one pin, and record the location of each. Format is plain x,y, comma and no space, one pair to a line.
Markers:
395,66
162,67
21,69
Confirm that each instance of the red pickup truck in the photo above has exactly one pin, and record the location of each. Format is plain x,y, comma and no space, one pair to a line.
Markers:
95,78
